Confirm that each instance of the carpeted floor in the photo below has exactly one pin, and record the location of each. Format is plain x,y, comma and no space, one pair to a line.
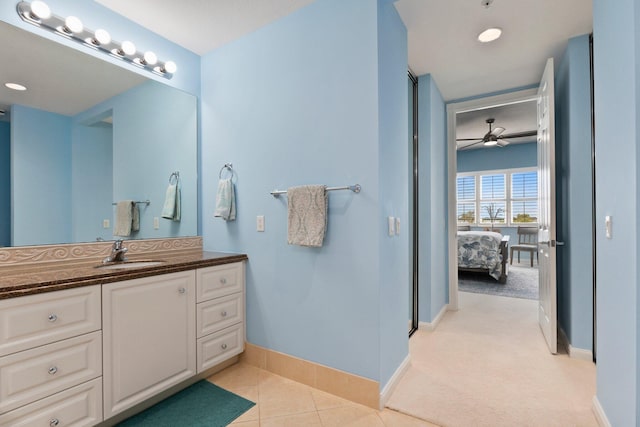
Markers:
522,282
487,365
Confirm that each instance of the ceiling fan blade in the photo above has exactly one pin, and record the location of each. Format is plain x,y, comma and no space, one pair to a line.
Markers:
502,143
519,134
471,145
468,139
497,131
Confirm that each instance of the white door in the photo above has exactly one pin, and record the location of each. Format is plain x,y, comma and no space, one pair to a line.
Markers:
547,305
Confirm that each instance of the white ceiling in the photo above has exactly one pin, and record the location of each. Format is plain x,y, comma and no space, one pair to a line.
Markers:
442,34
203,25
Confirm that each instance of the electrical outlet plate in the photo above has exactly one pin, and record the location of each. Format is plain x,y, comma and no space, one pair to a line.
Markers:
260,223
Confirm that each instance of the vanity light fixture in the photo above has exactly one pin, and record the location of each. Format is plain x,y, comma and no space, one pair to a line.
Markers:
38,13
489,35
16,86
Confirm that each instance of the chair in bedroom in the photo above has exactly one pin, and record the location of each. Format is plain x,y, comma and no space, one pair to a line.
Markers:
527,242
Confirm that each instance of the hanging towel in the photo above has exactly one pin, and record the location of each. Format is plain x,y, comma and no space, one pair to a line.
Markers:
171,208
225,200
307,215
127,218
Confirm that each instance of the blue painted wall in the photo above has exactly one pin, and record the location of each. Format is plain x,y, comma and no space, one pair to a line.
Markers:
156,123
395,259
617,117
41,164
94,15
284,106
574,194
512,156
91,181
5,184
433,239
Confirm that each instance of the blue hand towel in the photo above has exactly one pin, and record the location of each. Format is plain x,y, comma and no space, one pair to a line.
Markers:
171,208
225,200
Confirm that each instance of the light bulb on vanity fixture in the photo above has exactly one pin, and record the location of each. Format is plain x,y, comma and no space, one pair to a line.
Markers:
72,25
100,38
38,13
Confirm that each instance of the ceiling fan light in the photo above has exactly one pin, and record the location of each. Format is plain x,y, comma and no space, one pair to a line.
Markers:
489,35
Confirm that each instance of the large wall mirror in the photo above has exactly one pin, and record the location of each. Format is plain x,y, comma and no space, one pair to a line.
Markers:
83,136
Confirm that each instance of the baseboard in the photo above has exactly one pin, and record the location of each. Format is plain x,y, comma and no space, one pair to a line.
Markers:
574,352
340,383
430,326
388,389
601,417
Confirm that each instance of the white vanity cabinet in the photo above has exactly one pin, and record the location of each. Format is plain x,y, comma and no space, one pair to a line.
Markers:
51,359
220,314
149,337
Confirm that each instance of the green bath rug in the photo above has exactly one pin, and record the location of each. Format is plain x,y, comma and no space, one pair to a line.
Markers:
202,404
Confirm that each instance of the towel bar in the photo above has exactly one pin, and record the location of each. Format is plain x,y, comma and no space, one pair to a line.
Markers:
355,188
146,202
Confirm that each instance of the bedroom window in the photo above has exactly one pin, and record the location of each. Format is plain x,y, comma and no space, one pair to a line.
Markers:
466,194
493,199
524,197
506,197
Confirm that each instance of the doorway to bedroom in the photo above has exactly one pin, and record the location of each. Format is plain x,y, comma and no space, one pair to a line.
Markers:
496,206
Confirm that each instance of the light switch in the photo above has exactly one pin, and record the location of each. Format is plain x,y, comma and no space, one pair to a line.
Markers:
156,222
260,223
397,225
607,226
106,223
392,225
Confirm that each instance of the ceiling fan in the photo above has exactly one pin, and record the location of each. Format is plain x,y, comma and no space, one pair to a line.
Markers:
495,136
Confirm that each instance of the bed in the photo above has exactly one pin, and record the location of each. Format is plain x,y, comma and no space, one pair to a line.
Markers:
483,251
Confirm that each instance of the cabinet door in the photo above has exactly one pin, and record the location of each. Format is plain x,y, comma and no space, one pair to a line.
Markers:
149,337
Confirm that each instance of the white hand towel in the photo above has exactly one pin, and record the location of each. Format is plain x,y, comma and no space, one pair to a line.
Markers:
307,215
225,200
124,218
171,208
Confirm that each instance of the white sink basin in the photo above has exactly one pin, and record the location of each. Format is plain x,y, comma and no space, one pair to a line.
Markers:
129,264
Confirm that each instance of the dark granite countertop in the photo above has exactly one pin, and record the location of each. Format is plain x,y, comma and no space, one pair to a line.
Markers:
18,281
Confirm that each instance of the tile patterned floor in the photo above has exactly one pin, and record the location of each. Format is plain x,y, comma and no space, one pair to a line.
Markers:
281,402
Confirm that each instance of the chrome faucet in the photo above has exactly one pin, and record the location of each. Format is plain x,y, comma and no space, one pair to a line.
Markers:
117,253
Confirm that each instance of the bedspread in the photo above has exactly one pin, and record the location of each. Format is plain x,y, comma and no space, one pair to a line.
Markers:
480,249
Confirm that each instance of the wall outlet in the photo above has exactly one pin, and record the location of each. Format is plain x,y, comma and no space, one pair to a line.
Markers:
106,223
156,223
260,223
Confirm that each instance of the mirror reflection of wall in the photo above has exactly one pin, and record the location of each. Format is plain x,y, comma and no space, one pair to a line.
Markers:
83,137
5,184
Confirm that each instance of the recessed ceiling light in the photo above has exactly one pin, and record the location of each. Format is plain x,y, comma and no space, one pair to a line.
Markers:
15,86
489,35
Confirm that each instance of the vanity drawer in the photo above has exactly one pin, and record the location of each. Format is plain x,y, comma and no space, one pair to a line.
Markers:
219,313
43,371
220,346
78,406
41,319
221,280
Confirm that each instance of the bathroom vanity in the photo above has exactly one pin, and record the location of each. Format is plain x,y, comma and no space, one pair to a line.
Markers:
82,345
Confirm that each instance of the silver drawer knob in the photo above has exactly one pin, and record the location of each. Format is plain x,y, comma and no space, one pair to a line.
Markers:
223,314
52,318
53,370
223,280
54,422
223,346
182,290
